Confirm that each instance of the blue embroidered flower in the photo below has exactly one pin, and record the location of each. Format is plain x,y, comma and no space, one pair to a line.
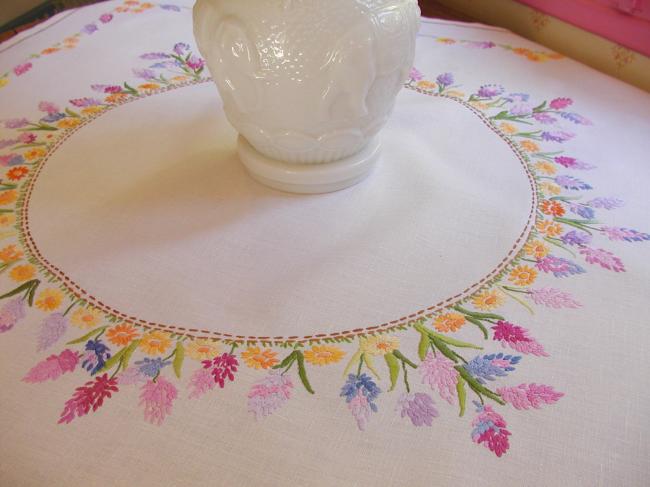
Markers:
97,353
517,97
559,266
151,367
569,182
53,117
575,118
584,211
362,383
489,367
445,79
576,237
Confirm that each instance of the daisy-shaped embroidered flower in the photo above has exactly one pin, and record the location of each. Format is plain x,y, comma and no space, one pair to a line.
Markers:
550,228
449,322
17,173
537,249
49,299
86,317
552,207
35,153
8,197
488,300
122,334
68,123
379,344
522,275
323,354
202,349
7,219
22,273
155,342
259,358
10,254
529,146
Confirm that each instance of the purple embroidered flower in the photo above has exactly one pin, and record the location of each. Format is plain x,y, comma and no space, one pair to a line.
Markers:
16,123
606,203
572,163
195,63
521,110
559,266
517,338
544,118
553,298
157,398
489,367
360,393
603,258
166,64
569,182
144,73
222,367
173,8
490,429
527,396
626,234
48,107
4,143
89,29
576,237
85,102
27,137
180,48
419,407
11,313
22,69
584,211
154,55
415,75
52,328
517,97
105,18
53,117
444,80
151,367
481,44
97,353
269,394
559,136
439,372
490,91
576,118
11,160
560,103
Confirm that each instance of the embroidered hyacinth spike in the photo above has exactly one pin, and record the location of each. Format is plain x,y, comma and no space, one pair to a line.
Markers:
360,393
527,396
603,258
419,407
440,374
490,430
201,382
517,338
88,397
157,399
269,394
53,367
52,328
11,313
222,367
553,298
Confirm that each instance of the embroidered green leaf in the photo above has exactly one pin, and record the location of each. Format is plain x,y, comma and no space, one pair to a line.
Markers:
71,113
371,365
393,369
404,359
288,360
480,316
444,349
113,360
477,387
354,361
478,323
27,287
88,335
423,346
179,356
462,395
457,343
128,353
302,373
540,107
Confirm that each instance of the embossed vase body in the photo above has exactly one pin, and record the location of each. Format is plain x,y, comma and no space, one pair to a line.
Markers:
307,81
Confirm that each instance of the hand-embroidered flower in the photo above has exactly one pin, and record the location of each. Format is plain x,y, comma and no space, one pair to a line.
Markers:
49,299
489,367
52,367
202,349
449,322
157,398
22,273
155,342
52,328
553,298
439,372
360,393
323,354
222,367
522,275
269,394
560,103
537,249
419,407
97,353
488,300
89,396
258,358
490,429
527,396
379,344
11,313
122,334
10,254
517,338
86,318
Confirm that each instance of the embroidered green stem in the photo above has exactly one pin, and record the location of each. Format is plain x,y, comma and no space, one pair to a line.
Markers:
520,301
67,310
88,335
556,242
406,380
579,224
477,387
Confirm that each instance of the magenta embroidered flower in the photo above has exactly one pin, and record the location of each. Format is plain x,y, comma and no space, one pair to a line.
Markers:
439,372
85,102
490,429
415,75
553,298
11,313
222,367
200,383
626,234
48,107
560,103
52,328
559,266
558,136
418,406
606,203
157,398
27,137
572,163
16,123
107,88
517,338
544,118
105,18
526,396
269,394
603,258
52,367
195,63
22,69
89,396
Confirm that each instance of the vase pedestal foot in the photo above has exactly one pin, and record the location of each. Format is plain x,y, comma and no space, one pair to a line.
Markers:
308,178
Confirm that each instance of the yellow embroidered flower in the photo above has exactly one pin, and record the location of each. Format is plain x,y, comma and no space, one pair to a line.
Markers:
49,299
180,77
146,5
529,146
22,273
449,322
86,317
8,197
508,128
68,123
488,300
49,50
549,188
10,253
445,40
378,344
148,86
34,153
4,82
71,40
536,249
121,334
480,105
550,228
523,275
427,85
7,219
455,94
155,342
259,358
545,167
92,110
115,97
324,354
202,349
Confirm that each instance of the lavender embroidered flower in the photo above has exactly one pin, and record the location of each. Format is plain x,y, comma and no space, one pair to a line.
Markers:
154,55
481,44
572,163
11,313
576,118
419,407
53,117
626,234
444,80
582,210
269,394
180,48
144,73
569,182
490,91
440,374
559,136
173,8
157,398
489,367
490,429
11,160
603,258
415,75
97,353
517,97
544,118
16,123
576,237
85,102
553,298
151,367
89,29
521,110
559,266
360,393
606,203
52,328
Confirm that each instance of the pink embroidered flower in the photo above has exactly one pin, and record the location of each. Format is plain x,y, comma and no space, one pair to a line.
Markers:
52,328
200,383
131,376
440,374
195,63
27,137
52,367
602,257
22,68
89,396
572,163
415,75
553,298
11,313
16,123
105,18
85,102
624,234
490,429
419,407
48,107
222,367
360,409
560,103
526,396
517,338
269,394
157,398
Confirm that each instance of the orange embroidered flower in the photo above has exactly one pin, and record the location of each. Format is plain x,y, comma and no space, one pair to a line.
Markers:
480,105
523,275
529,146
555,55
324,355
550,228
50,50
488,300
180,77
121,9
131,2
378,344
10,253
146,5
552,207
449,322
549,188
455,94
258,358
71,40
148,86
115,97
508,128
86,317
34,153
202,349
545,167
121,334
445,40
91,110
68,123
49,299
427,85
22,273
17,173
155,342
7,219
536,249
8,197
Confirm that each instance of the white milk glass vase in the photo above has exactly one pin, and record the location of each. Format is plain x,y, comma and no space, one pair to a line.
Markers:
308,84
